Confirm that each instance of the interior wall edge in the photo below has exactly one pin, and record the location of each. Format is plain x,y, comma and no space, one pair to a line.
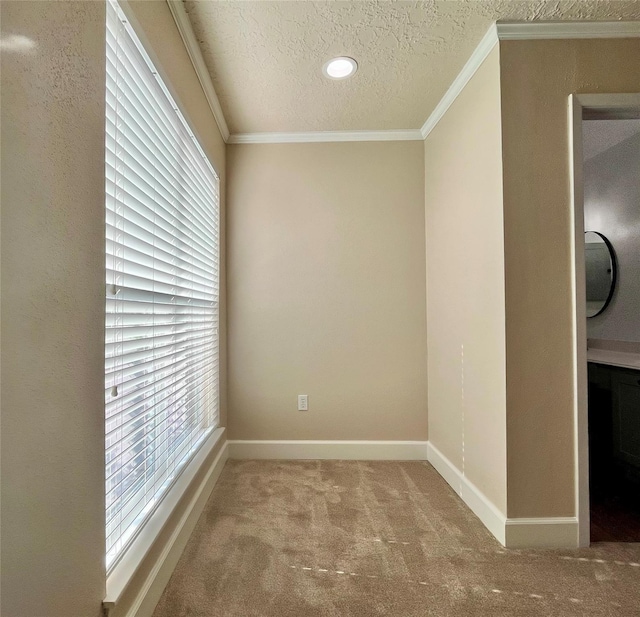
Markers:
488,513
551,532
513,533
479,55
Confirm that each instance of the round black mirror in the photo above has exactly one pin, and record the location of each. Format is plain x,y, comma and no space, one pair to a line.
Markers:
600,268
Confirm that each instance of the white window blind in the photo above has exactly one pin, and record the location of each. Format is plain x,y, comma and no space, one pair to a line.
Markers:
161,340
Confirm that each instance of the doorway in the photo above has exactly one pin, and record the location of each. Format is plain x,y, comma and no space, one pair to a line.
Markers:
605,133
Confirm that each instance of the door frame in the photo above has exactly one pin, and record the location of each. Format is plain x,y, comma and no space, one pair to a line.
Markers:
585,107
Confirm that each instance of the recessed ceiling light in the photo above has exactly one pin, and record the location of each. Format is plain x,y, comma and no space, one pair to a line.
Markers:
340,68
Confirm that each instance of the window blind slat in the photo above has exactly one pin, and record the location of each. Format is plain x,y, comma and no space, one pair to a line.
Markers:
160,378
140,164
165,244
140,269
145,283
121,480
125,348
159,310
173,242
124,293
122,433
137,318
182,404
141,432
115,406
134,356
159,218
124,195
116,369
140,106
125,527
162,289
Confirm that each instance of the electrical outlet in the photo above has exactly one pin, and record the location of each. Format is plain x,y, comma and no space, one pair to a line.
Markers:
303,402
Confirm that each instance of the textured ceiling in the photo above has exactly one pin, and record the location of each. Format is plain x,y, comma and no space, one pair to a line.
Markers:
265,58
600,135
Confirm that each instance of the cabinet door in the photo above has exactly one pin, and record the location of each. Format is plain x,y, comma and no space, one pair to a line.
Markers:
601,461
626,416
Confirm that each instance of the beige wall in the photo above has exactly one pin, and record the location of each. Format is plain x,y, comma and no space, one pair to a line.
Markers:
465,275
53,294
327,291
52,310
499,270
537,77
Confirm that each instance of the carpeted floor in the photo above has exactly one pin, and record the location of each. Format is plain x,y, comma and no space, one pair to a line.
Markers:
365,539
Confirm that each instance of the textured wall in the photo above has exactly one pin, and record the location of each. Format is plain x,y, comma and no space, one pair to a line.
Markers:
327,291
52,309
53,90
612,207
537,78
465,284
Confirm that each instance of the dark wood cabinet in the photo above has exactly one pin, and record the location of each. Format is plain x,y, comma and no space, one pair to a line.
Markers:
601,458
614,425
614,453
625,389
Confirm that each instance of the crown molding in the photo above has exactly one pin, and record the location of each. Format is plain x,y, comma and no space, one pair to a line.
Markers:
500,31
488,42
193,49
325,136
532,30
526,31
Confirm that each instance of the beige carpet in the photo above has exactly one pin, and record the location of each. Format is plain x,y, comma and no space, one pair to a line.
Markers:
363,539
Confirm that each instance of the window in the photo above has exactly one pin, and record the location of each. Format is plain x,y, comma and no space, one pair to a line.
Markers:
161,339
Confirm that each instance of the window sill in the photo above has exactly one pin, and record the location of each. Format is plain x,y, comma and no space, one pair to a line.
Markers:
124,571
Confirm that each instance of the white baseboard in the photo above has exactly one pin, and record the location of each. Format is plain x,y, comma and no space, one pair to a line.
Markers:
560,532
150,591
492,518
556,532
328,450
553,532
